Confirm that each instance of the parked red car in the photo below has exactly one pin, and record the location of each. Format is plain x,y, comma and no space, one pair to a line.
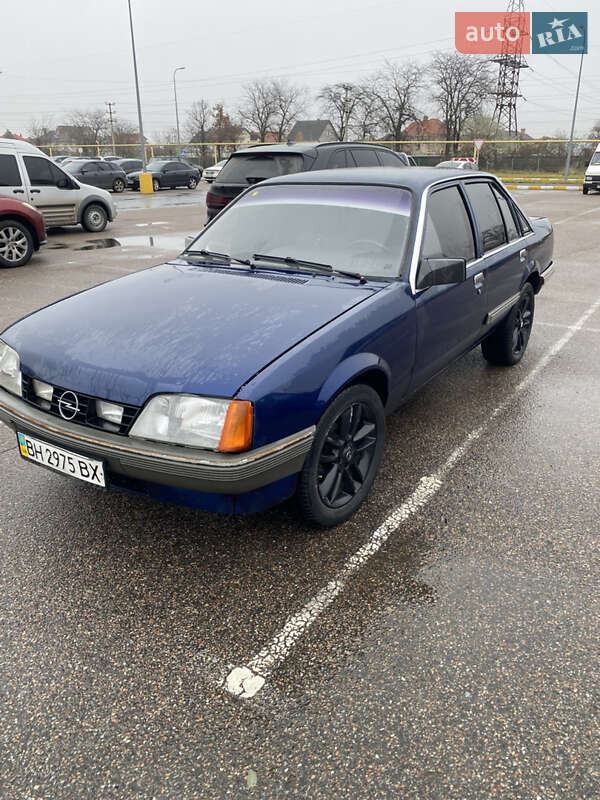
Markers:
22,231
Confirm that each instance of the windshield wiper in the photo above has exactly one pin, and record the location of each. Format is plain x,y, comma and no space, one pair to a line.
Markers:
224,256
300,262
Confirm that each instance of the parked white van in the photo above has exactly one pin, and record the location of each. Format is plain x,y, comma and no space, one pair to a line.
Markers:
592,173
27,173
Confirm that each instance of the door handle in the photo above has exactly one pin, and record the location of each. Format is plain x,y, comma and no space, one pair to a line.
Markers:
18,191
522,254
35,191
478,281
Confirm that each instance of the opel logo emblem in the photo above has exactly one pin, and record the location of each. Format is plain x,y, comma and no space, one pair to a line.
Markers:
68,405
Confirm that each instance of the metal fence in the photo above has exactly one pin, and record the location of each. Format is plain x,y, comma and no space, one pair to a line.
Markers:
498,155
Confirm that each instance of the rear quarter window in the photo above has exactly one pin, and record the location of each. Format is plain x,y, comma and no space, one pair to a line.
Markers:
9,171
260,166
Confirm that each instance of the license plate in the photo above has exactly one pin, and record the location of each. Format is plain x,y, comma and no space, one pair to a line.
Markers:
86,469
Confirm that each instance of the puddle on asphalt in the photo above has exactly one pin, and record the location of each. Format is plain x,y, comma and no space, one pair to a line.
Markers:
161,242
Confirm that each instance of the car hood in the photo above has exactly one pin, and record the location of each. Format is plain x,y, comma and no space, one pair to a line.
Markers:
177,327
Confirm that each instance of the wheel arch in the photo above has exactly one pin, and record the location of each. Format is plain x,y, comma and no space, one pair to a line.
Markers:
26,224
365,368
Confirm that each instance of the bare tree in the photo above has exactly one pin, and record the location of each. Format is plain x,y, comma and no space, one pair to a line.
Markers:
366,119
340,103
199,121
462,86
41,131
395,89
91,125
289,103
259,109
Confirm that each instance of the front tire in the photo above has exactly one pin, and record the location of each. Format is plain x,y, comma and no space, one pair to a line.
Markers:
341,466
16,243
192,182
94,218
586,189
507,344
119,186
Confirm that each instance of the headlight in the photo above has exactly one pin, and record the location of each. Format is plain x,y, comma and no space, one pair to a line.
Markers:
10,369
205,422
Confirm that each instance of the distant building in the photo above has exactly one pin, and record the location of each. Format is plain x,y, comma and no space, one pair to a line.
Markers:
426,129
313,130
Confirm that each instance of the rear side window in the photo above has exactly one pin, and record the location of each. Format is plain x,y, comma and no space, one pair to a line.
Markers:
9,171
365,157
509,220
41,171
487,213
525,226
389,159
448,232
247,169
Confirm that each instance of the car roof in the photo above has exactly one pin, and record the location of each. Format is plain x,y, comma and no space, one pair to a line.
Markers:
20,146
417,178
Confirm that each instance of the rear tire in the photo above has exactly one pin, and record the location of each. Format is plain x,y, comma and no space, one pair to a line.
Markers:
340,469
94,218
155,184
16,243
507,344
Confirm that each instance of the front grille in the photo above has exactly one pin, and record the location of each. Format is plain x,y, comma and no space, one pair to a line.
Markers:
86,414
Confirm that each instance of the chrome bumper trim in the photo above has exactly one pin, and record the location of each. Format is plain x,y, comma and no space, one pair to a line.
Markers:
548,272
225,473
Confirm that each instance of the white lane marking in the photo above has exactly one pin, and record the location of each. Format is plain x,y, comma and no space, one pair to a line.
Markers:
582,214
564,325
247,680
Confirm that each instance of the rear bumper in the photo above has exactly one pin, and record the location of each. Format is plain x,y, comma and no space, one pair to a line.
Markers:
166,465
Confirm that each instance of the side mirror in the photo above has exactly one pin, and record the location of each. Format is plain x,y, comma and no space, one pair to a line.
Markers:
64,183
441,271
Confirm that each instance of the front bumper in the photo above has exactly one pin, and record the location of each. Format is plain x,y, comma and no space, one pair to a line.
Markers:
167,465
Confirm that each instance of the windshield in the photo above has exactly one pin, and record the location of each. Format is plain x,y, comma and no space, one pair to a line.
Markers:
260,166
358,228
595,159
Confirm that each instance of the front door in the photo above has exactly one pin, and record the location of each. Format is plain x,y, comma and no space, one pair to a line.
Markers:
58,205
450,318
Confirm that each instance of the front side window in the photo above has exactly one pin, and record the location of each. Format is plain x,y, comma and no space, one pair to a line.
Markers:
355,227
42,172
248,169
487,214
337,160
448,232
389,159
9,171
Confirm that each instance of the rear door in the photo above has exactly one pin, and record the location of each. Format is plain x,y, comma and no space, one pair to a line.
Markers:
58,205
450,318
503,263
11,180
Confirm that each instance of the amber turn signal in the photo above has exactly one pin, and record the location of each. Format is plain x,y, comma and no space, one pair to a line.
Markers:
237,430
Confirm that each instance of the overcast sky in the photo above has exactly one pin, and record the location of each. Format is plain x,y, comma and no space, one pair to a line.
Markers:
76,54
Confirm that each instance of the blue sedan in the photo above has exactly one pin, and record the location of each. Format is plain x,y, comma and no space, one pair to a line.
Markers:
262,361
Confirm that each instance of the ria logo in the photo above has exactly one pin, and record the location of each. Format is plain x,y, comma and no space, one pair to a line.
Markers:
559,33
68,405
501,32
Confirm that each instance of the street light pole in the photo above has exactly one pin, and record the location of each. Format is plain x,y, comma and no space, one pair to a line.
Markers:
175,71
137,92
570,145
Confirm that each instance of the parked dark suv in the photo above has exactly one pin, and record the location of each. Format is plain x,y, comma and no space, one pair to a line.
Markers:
104,174
254,164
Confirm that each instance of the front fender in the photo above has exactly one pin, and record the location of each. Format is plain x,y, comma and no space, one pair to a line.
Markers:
347,371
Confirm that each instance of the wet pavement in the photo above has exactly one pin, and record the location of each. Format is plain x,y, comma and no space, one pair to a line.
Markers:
459,661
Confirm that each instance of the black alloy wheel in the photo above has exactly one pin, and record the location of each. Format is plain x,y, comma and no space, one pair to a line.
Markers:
506,345
523,320
347,449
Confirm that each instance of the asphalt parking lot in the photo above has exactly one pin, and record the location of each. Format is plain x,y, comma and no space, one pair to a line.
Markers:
441,644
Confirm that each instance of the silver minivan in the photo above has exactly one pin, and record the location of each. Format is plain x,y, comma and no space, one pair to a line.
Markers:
27,173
